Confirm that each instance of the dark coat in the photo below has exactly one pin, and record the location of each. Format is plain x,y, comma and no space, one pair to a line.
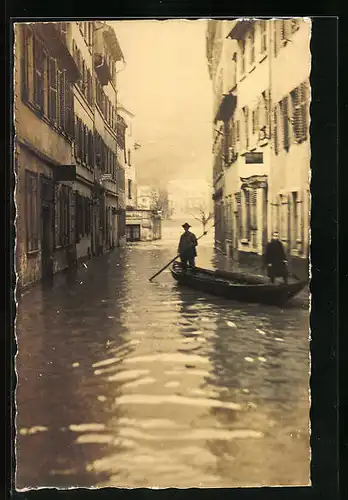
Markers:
187,245
274,258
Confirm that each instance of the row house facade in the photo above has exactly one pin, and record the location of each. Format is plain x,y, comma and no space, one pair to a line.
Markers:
129,157
64,145
261,136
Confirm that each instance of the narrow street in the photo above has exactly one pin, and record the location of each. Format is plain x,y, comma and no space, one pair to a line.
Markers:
129,383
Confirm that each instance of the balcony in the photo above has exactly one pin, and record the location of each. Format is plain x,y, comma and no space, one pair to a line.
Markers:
102,69
56,38
226,108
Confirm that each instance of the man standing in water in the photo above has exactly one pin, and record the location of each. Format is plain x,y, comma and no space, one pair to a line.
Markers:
187,247
275,259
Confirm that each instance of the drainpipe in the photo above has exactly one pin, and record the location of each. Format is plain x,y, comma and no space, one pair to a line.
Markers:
270,117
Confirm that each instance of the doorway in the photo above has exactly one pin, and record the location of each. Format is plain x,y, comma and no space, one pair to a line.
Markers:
46,245
47,228
133,232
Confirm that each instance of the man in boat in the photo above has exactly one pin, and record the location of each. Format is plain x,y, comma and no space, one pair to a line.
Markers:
275,259
187,247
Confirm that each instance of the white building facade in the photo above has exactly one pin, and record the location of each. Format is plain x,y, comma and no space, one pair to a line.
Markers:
261,143
130,169
186,197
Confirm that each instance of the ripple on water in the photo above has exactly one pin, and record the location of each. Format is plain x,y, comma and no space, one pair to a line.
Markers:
127,375
168,358
152,399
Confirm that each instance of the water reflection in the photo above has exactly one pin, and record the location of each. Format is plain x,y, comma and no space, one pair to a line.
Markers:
129,383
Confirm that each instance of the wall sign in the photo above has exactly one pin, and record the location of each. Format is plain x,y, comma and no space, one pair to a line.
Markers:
254,157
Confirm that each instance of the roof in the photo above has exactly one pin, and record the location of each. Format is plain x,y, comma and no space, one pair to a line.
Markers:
120,107
113,43
239,29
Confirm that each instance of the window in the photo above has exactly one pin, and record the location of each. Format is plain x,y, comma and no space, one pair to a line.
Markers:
247,215
31,208
295,233
85,31
294,25
62,215
246,127
62,99
252,44
242,57
129,157
232,142
238,130
275,130
85,136
283,216
130,189
90,149
299,113
40,62
27,64
89,87
283,31
276,36
285,122
263,35
69,111
263,116
53,90
255,120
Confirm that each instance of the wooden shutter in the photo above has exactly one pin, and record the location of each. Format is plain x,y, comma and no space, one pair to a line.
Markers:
285,123
69,116
304,110
62,100
246,126
53,91
72,216
27,64
276,36
275,129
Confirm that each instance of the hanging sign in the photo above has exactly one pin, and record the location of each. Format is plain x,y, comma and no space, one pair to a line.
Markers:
64,172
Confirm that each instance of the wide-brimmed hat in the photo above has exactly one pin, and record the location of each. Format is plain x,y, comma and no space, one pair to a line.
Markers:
186,225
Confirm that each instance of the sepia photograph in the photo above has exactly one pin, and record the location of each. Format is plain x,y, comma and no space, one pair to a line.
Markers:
162,254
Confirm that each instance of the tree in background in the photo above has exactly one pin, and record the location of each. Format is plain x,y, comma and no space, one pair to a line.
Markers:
159,202
203,216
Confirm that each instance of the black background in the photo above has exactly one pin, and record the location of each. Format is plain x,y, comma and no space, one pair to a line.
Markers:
327,456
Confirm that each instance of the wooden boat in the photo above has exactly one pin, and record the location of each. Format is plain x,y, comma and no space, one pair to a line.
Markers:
237,286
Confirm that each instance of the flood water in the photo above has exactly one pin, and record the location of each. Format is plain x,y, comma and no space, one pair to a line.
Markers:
129,383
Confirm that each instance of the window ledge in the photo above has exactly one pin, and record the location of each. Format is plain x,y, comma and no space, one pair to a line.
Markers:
32,253
263,143
251,69
242,77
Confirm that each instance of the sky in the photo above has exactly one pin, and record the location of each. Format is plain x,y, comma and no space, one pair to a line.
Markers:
166,85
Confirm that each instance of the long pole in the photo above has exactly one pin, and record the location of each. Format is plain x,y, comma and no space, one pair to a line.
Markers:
176,257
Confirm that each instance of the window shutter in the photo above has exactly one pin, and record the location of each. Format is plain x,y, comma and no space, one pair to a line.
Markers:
53,91
253,208
69,108
275,129
285,123
247,127
27,64
62,100
304,110
277,29
72,216
80,141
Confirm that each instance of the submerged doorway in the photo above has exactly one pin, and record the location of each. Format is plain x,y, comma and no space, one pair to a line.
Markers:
133,232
